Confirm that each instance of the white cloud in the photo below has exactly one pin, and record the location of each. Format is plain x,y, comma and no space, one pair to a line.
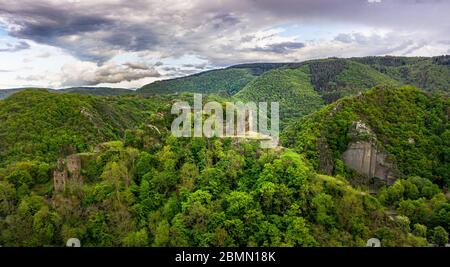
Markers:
87,73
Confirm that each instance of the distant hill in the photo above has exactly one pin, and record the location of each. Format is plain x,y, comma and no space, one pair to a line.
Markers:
99,91
431,74
304,87
290,87
4,93
228,81
328,76
334,78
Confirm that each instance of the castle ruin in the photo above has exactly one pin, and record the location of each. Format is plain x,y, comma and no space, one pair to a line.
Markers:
66,169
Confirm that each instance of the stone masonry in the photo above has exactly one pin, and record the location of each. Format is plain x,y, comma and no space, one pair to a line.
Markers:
66,169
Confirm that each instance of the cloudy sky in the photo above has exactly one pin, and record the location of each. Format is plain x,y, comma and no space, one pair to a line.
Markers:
129,43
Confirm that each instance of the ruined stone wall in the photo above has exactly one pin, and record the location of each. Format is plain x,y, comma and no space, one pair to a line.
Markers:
59,179
73,164
66,169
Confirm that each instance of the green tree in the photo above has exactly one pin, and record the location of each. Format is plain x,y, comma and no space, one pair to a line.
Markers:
46,225
420,230
439,236
7,198
298,234
162,234
323,209
239,203
136,239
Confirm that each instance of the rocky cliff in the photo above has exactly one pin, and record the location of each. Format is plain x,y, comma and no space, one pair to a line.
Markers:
363,156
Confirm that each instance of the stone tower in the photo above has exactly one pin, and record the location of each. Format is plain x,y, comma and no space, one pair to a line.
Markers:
66,170
59,179
73,164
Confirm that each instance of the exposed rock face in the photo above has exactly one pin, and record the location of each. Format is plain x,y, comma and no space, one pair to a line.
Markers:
363,156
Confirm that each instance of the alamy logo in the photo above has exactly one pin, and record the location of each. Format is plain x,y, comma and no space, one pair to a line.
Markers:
239,120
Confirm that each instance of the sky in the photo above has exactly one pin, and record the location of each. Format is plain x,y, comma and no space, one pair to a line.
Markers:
130,43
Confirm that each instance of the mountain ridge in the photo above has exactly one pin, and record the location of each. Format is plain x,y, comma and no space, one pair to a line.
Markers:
391,66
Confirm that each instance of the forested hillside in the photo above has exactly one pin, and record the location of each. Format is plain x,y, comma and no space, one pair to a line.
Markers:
151,189
332,77
410,124
36,124
106,169
302,88
431,74
227,81
335,78
99,91
290,87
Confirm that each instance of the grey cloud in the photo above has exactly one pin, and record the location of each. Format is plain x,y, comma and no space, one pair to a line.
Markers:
344,38
388,49
15,47
138,66
359,38
247,38
414,47
195,66
223,20
30,78
382,45
84,32
177,71
181,72
409,14
44,55
281,48
109,73
212,30
170,69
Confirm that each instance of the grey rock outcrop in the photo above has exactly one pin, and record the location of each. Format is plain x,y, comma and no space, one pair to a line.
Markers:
363,156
